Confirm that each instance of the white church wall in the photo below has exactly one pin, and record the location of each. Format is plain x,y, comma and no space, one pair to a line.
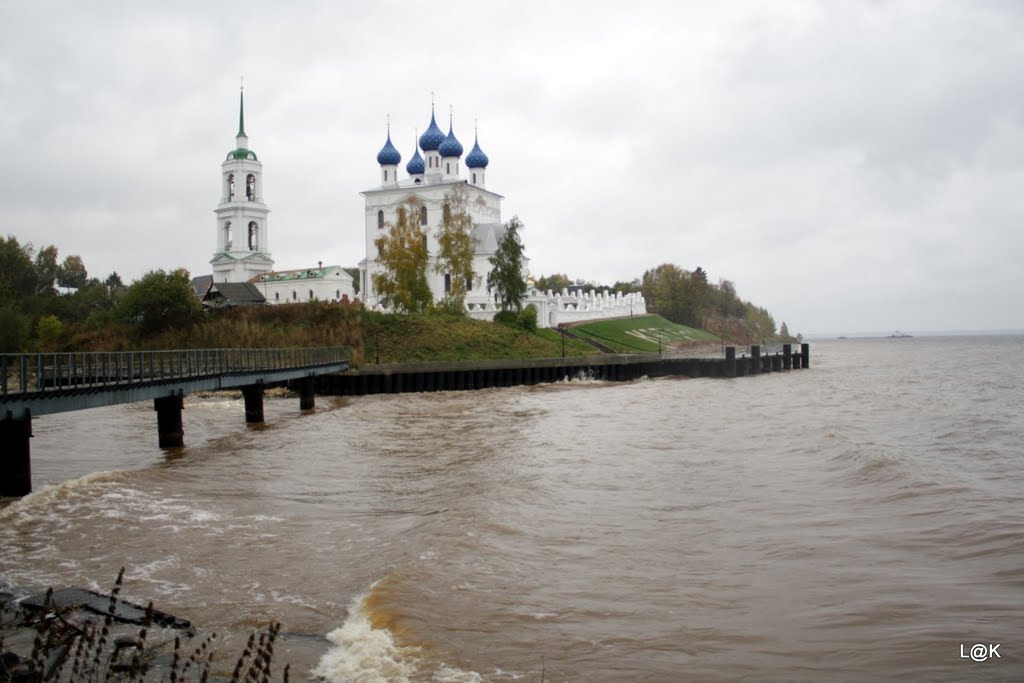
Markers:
300,286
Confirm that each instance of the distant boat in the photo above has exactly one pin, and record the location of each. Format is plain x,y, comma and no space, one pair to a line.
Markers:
900,335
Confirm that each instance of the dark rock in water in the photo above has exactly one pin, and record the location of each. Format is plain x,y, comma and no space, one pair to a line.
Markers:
124,611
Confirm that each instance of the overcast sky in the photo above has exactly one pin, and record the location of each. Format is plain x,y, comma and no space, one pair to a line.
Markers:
851,166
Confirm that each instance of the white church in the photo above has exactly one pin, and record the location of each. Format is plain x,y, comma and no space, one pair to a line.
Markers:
243,247
430,182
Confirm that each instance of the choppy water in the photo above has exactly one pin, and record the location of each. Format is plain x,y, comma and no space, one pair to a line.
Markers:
861,519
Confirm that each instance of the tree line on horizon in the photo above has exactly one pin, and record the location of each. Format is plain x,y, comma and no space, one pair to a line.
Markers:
41,297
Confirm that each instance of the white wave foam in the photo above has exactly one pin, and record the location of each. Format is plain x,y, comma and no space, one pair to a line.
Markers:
370,655
364,653
50,494
447,674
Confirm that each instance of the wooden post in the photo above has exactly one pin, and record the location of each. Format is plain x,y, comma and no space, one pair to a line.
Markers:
755,359
15,462
730,361
805,351
169,430
253,395
787,356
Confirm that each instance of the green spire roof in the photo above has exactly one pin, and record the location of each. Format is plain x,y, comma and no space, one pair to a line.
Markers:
241,113
241,152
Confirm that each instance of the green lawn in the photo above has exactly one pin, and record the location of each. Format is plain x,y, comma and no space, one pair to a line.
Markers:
641,334
436,337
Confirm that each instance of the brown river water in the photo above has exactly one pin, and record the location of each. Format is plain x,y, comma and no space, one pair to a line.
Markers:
862,519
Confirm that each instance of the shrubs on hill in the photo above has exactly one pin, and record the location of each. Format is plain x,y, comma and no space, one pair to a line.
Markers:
525,319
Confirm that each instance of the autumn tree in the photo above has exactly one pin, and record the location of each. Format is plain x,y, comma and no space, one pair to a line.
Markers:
46,270
402,255
506,277
555,282
625,287
72,272
455,248
17,272
665,289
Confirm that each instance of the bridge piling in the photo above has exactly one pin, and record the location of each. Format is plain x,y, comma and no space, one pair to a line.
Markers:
253,395
170,433
16,464
307,396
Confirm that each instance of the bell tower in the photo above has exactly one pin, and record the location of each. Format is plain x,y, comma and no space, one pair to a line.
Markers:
243,246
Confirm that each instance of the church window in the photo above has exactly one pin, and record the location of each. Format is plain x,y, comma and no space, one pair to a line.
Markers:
423,215
252,236
474,178
447,213
250,187
311,295
228,237
425,248
277,296
469,282
231,186
448,168
380,219
385,175
295,295
417,181
447,283
337,294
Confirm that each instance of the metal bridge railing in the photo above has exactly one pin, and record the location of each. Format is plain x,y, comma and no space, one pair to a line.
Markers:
25,373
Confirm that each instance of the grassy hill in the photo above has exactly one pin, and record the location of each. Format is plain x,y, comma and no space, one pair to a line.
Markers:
436,337
641,334
389,338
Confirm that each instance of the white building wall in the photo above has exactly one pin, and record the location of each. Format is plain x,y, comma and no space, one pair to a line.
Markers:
332,287
564,308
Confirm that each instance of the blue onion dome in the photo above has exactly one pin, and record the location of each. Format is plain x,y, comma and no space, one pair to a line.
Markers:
388,155
476,158
415,165
451,147
432,137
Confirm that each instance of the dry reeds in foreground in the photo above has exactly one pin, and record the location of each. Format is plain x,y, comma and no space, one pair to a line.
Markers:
83,651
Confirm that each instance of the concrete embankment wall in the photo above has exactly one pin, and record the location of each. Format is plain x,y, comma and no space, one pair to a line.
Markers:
465,375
